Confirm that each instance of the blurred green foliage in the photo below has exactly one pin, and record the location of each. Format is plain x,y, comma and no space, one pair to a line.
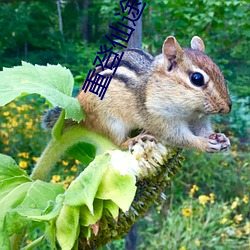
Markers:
30,32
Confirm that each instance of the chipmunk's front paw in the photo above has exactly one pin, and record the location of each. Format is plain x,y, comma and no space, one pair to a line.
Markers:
218,142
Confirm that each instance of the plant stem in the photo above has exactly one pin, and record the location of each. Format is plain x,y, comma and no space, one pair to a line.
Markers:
57,147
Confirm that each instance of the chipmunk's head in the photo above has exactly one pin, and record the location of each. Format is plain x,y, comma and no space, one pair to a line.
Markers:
198,78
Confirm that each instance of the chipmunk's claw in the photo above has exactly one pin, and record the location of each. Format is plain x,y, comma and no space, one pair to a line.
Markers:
141,139
218,142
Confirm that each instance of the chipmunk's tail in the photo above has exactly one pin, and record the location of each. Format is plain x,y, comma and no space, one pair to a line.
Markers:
50,118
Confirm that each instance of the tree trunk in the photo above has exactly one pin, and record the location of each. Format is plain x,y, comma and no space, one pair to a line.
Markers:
59,16
85,32
131,238
135,40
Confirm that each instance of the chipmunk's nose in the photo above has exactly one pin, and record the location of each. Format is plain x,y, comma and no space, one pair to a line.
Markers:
227,108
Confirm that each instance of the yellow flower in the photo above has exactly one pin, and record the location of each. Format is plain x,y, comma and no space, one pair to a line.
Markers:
73,168
245,199
187,211
12,105
77,162
211,195
238,233
223,221
4,133
247,227
23,164
23,107
70,178
65,163
6,141
238,218
197,242
14,123
35,159
65,185
234,152
6,113
223,235
235,203
225,164
203,199
238,159
7,149
55,178
182,248
24,154
29,124
193,190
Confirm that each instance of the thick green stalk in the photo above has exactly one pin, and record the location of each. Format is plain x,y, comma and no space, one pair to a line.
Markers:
57,147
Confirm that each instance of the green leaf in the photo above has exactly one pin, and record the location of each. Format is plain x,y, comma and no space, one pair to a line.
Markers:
83,189
47,216
20,197
14,223
50,234
67,226
9,168
39,194
14,198
86,231
83,152
58,127
4,240
112,208
26,202
53,82
86,218
118,188
6,186
11,200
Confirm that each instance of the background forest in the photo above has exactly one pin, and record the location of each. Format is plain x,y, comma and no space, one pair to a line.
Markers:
207,206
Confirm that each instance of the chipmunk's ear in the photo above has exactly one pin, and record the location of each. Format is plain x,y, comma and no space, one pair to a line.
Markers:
172,50
197,43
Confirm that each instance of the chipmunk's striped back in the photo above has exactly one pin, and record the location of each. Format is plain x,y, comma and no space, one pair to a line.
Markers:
134,60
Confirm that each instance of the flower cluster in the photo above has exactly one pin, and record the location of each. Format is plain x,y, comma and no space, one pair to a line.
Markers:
204,210
20,130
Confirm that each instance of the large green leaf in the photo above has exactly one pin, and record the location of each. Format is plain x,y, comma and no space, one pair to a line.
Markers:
21,197
67,226
53,82
83,189
39,194
118,188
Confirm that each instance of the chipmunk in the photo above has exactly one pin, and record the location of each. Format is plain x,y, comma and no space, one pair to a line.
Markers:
170,96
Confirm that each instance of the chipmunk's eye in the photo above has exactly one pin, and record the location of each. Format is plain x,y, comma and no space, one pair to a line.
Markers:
197,79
